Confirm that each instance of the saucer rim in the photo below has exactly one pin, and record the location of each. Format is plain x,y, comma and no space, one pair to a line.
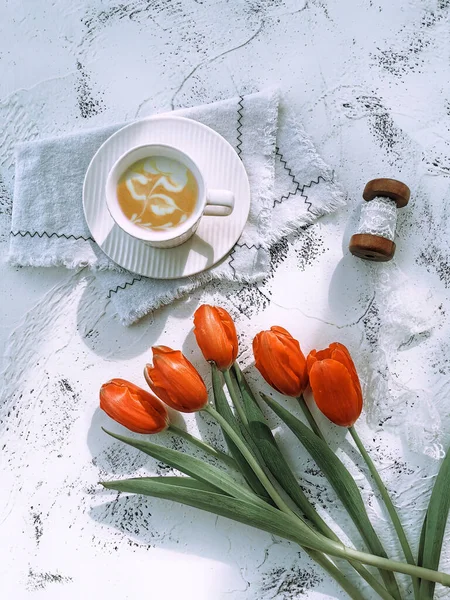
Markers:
229,245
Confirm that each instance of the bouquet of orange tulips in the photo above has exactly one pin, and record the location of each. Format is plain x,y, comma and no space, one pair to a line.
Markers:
269,494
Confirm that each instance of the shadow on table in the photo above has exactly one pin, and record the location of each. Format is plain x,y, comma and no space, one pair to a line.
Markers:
168,525
350,292
102,332
151,521
113,457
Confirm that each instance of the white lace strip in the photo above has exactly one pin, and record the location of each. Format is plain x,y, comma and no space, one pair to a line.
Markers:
379,217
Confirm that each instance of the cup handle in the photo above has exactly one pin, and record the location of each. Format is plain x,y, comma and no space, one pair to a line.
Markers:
219,203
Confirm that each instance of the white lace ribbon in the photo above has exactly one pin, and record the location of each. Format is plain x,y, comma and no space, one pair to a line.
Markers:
379,217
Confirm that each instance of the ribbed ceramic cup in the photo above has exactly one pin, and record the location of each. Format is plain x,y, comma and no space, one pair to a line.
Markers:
210,202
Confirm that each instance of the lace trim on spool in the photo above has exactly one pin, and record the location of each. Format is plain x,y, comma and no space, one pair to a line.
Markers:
378,217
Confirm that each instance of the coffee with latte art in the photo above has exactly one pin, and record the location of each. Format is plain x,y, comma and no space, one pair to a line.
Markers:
157,193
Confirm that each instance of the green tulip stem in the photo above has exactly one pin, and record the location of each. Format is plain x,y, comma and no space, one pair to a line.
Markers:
320,558
309,417
218,454
249,457
328,566
390,565
389,505
311,514
235,397
371,580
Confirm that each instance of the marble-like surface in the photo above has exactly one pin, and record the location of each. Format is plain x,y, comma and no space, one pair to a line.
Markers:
370,80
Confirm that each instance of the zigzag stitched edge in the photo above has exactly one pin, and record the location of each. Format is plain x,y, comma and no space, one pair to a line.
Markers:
49,235
292,176
122,287
239,126
258,247
320,177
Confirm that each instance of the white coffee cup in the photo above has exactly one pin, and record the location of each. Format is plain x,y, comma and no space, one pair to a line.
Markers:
210,202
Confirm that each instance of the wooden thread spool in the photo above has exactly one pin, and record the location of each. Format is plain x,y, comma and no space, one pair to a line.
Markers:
377,244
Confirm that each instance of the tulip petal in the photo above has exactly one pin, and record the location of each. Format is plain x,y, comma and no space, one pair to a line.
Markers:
151,377
340,353
216,335
229,329
280,361
175,380
281,330
311,359
297,363
334,392
316,355
161,350
134,408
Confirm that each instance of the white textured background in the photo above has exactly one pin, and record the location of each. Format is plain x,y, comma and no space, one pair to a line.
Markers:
370,81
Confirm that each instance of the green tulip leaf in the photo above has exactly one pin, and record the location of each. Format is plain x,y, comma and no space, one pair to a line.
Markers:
282,472
277,464
434,526
194,467
422,543
266,518
186,482
223,408
342,483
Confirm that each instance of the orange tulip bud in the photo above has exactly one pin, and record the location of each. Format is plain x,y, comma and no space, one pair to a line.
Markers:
216,335
335,384
174,379
280,361
134,408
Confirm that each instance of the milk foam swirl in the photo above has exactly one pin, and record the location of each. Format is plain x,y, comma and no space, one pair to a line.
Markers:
157,188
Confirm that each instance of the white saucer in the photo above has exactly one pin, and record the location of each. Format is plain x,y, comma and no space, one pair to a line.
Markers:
215,236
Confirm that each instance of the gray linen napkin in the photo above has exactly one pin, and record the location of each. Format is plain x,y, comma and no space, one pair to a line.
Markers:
290,186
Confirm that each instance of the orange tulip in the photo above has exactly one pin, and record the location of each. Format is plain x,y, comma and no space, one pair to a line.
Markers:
216,335
174,379
335,384
280,361
134,408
